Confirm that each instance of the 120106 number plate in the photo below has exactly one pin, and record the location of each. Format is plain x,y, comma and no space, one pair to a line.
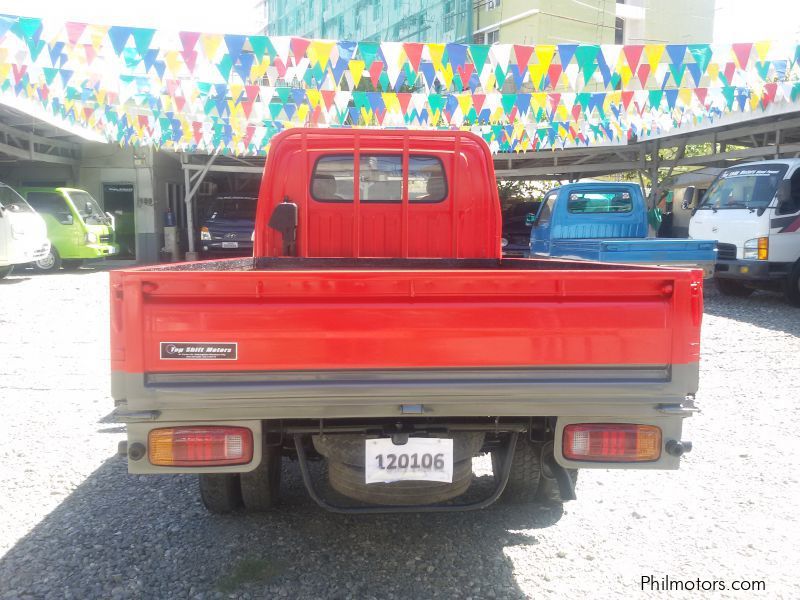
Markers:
419,459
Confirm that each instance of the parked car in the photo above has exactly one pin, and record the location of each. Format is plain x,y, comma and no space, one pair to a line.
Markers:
228,226
390,339
608,222
23,233
517,229
78,228
753,209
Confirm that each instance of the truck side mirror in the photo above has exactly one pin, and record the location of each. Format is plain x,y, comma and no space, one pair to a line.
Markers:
530,219
284,219
688,196
88,207
785,204
66,219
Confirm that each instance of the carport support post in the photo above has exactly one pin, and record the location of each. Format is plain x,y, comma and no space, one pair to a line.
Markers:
191,185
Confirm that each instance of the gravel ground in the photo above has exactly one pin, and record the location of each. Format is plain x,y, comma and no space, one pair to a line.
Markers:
74,524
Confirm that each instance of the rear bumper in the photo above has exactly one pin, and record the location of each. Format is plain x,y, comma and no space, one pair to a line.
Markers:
574,391
752,270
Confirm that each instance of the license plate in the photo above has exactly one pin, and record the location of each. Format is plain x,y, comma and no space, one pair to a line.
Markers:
230,244
419,459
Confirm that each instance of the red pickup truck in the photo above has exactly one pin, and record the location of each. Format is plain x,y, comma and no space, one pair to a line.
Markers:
379,329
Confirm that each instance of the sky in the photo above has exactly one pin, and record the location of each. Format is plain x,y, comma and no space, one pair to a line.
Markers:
736,20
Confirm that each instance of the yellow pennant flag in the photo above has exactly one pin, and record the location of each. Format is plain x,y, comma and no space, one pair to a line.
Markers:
321,52
210,43
544,54
653,52
173,60
625,74
437,52
356,68
761,49
464,102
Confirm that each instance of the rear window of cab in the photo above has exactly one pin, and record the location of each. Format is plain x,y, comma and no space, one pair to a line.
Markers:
600,202
380,179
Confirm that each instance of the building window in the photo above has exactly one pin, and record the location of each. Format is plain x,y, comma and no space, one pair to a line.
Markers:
492,4
619,31
492,37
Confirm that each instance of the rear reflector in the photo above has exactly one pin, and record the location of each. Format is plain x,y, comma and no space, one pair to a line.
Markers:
611,442
210,446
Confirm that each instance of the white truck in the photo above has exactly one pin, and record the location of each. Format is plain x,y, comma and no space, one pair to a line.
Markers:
753,210
23,233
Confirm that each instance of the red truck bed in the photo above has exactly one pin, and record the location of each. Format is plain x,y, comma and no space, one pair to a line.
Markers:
399,324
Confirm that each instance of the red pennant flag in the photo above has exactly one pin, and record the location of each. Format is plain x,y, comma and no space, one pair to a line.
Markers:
477,102
87,112
375,70
173,85
74,31
553,74
414,54
742,52
248,134
91,53
770,90
190,58
404,98
701,95
626,99
576,111
643,73
281,67
299,47
730,69
180,102
523,54
19,72
465,73
189,40
633,55
328,97
197,131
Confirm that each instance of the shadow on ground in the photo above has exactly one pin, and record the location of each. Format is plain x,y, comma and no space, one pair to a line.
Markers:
132,536
768,310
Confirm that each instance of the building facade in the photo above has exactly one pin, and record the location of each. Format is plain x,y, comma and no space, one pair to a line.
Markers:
593,21
372,20
493,21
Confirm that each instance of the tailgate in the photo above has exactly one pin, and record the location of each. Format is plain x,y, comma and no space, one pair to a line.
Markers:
199,337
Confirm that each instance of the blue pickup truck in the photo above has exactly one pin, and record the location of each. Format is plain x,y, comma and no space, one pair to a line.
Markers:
607,222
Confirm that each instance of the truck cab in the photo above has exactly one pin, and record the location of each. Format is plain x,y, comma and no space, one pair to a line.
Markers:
753,210
78,228
23,234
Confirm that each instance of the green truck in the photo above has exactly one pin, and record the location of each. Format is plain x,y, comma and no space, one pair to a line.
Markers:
78,228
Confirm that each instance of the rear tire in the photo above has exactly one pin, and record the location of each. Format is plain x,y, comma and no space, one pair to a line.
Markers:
793,286
728,287
261,487
220,492
50,263
6,271
71,265
526,471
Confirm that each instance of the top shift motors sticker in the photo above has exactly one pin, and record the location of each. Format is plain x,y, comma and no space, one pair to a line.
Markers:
199,350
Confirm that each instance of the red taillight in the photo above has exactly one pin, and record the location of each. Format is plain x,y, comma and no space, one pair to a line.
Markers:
210,446
611,442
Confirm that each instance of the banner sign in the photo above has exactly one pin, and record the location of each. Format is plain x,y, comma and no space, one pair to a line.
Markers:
189,91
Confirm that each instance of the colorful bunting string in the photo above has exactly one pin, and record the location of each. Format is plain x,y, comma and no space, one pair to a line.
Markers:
192,91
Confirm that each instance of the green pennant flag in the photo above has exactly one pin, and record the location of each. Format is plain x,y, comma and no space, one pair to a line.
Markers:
225,65
49,74
436,102
702,55
131,57
796,89
142,38
762,68
26,28
730,93
383,80
368,50
275,110
655,97
586,55
677,73
508,101
284,93
210,106
479,53
500,75
260,45
471,117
